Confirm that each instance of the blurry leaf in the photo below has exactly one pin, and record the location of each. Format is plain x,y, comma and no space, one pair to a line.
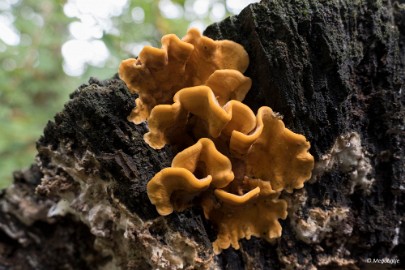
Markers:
33,85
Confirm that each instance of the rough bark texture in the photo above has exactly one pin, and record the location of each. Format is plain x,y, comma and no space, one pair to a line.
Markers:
334,69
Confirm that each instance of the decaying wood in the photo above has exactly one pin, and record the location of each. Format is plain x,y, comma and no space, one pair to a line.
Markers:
335,70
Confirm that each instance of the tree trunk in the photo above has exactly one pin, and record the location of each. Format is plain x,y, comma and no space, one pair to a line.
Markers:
335,70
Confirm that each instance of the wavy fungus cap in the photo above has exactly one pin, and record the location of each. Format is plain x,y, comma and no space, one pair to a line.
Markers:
271,157
168,122
174,188
279,155
191,89
157,74
254,213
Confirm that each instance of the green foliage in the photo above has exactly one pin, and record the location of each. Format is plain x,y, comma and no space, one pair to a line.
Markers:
33,84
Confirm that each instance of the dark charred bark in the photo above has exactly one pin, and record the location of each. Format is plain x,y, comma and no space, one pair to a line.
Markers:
30,239
335,70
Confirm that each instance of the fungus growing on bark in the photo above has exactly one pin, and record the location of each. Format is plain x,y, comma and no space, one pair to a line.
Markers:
203,158
210,55
279,155
243,218
167,122
233,199
157,74
243,129
228,84
271,158
175,187
241,162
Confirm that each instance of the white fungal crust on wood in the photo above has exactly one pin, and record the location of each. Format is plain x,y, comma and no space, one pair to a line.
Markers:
347,155
321,223
122,235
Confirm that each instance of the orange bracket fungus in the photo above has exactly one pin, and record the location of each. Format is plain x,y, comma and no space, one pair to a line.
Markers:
157,74
175,187
234,164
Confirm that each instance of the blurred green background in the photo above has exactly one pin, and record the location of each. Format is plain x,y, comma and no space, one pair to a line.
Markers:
50,47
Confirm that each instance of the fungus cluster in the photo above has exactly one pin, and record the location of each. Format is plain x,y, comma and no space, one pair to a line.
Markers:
233,163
